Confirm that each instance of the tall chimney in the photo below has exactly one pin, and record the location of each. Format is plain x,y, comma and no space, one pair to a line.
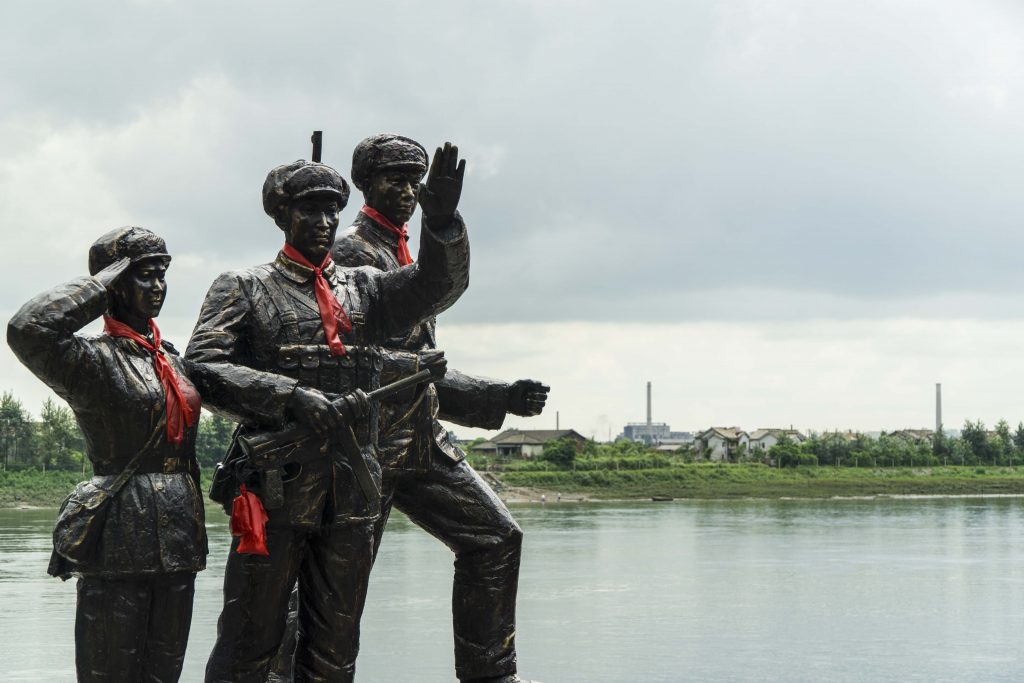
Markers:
938,409
648,404
556,421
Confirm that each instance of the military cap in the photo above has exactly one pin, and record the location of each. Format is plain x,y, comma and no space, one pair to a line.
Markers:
298,179
137,244
382,151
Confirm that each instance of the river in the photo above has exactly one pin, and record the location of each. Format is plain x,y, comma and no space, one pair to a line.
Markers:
919,589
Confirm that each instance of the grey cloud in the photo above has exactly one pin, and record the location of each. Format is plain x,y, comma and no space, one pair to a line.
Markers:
658,160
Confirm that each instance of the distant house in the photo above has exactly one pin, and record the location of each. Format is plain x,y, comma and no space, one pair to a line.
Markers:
914,434
526,443
760,440
718,443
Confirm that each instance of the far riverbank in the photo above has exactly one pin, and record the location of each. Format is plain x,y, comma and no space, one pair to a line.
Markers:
693,480
726,481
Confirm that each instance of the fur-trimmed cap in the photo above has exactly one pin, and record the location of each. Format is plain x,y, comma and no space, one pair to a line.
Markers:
300,178
385,150
133,242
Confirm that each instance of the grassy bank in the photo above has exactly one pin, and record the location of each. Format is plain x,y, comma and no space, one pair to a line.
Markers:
32,487
697,480
707,480
42,489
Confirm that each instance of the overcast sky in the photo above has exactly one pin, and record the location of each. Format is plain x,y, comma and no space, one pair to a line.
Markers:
780,212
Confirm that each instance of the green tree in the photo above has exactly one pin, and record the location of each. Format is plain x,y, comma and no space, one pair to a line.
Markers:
830,448
1018,442
1002,443
941,446
17,435
961,452
60,440
975,437
788,453
561,453
213,438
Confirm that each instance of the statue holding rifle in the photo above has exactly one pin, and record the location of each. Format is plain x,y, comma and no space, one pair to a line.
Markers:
290,350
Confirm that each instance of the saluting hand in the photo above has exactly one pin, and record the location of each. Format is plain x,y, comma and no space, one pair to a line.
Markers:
109,275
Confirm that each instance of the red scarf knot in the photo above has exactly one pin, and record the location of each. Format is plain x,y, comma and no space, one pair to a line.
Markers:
404,257
249,522
332,314
183,402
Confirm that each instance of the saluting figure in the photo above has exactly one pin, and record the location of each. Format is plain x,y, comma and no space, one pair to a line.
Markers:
137,558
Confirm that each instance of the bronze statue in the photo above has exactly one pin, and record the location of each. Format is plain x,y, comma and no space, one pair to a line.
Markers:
282,342
134,534
425,475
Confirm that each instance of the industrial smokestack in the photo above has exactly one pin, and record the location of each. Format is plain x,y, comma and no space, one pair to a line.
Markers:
938,409
648,404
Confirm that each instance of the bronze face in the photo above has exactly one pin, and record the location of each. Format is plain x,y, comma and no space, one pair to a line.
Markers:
139,294
393,192
312,223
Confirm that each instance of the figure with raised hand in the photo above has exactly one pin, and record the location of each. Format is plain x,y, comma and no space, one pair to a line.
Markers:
425,474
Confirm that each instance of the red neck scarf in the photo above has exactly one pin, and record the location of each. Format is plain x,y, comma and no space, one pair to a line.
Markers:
331,312
182,401
404,257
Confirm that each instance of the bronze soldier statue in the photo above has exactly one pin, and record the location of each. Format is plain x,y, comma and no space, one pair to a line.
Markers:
425,474
134,533
276,343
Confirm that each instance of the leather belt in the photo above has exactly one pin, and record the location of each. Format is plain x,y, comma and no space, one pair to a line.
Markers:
165,466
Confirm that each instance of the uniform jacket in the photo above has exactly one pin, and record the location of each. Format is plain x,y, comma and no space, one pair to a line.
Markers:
156,522
410,432
260,335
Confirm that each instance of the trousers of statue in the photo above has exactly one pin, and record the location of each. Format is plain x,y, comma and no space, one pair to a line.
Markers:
455,505
133,629
332,565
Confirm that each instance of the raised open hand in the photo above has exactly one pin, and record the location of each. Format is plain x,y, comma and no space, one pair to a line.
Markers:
439,196
526,397
109,275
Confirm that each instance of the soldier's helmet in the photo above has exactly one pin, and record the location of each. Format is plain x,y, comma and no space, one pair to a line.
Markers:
299,179
385,151
135,243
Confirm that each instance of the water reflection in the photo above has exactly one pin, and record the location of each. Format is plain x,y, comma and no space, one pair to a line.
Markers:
793,590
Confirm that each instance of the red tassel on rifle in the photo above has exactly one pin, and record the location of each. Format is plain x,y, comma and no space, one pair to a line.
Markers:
249,520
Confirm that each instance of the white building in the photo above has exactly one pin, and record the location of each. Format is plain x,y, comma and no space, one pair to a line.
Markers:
760,440
718,443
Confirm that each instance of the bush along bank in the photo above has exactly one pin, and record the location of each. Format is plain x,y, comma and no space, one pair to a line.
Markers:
721,480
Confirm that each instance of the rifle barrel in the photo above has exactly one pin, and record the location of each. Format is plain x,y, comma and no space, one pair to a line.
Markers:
318,140
395,387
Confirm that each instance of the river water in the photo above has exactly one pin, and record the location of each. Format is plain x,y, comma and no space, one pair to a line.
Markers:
922,589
